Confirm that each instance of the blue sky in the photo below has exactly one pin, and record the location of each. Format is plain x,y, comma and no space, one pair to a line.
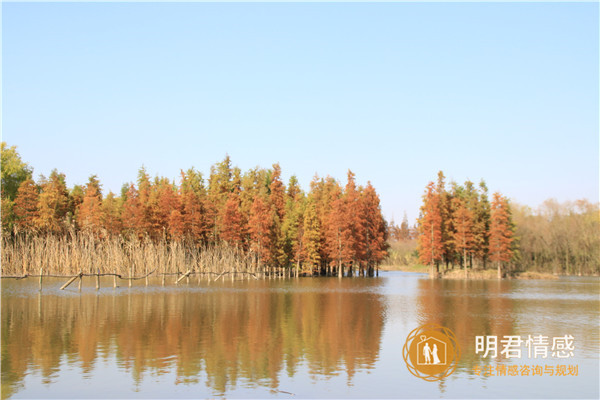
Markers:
395,92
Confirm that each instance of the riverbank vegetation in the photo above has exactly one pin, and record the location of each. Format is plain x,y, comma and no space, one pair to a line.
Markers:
460,228
558,238
253,216
254,223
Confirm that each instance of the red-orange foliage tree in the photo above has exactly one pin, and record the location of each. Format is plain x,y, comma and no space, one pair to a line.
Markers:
53,204
232,223
260,226
339,240
26,206
277,192
167,210
462,234
292,227
193,202
134,218
328,227
501,233
445,211
356,221
376,229
90,215
430,222
277,200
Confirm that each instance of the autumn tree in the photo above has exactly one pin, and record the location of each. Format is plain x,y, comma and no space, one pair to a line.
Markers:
501,233
219,187
339,240
232,224
26,206
445,211
355,216
90,213
311,236
376,234
481,224
278,203
324,191
111,211
14,172
164,210
293,188
260,227
462,234
292,225
52,204
430,234
404,232
558,237
277,192
171,210
134,216
193,198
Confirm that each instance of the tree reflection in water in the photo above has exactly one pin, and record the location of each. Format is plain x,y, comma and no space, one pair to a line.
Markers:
233,332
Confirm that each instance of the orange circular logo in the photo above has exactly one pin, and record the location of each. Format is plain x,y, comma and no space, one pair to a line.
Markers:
431,352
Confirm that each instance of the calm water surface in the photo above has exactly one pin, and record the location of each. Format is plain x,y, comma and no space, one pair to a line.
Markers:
310,337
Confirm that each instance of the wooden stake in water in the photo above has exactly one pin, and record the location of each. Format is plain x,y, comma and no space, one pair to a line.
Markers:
63,287
41,274
97,279
115,279
186,275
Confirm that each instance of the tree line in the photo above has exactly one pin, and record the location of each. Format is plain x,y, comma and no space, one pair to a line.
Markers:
461,227
560,238
331,229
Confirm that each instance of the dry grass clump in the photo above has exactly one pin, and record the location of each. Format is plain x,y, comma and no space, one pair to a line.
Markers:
86,253
535,275
480,274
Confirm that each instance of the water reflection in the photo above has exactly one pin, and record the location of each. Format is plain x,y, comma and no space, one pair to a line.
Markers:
500,308
228,334
315,337
468,308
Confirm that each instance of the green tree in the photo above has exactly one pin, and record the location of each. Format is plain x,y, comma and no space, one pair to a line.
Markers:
14,171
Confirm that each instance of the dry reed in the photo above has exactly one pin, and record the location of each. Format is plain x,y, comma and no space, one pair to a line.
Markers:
85,253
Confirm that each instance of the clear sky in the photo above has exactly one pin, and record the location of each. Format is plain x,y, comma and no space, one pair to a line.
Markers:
395,92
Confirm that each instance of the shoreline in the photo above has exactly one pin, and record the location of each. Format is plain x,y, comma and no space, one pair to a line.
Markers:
478,274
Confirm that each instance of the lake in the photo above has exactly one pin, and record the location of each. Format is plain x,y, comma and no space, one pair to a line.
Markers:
294,338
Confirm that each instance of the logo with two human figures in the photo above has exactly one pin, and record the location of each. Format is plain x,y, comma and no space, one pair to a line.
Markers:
431,352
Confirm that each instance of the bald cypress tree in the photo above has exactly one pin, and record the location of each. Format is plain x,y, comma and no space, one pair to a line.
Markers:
26,206
501,234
